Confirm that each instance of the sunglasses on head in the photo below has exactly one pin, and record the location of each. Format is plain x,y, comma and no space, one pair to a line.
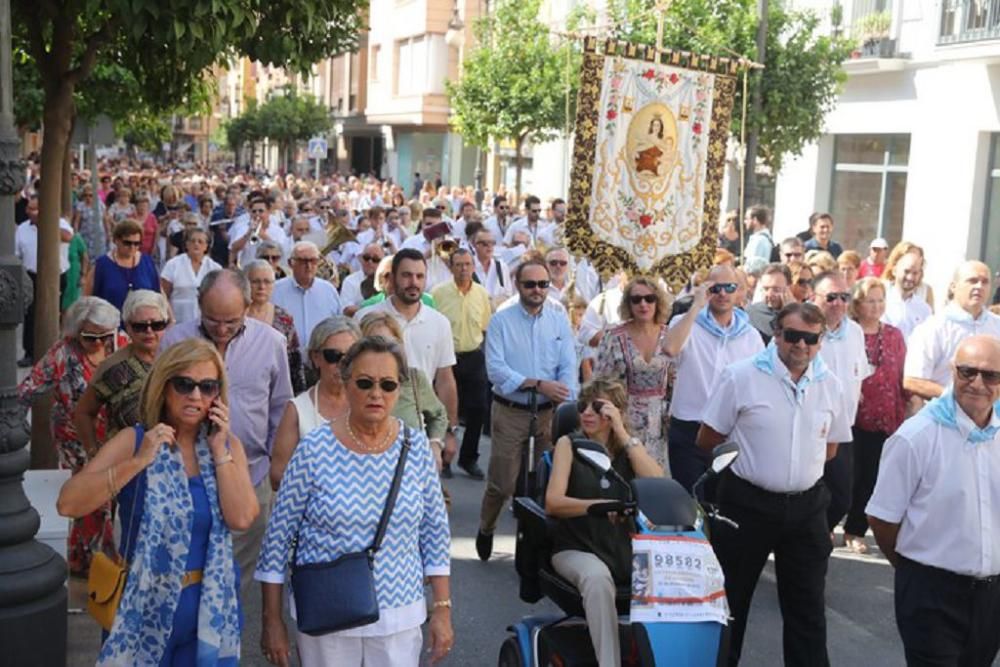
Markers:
185,386
151,325
793,336
596,404
131,244
636,299
843,296
719,288
367,384
332,356
533,284
969,373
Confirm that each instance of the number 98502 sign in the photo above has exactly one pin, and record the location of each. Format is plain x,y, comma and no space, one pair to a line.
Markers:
676,578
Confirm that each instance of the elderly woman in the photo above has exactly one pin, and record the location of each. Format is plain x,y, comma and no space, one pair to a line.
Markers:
90,224
638,352
150,226
115,386
182,484
271,253
89,329
333,509
593,553
182,275
849,264
883,401
324,401
124,269
120,209
260,274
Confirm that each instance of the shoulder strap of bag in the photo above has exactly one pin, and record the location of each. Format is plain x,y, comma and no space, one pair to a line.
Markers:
416,399
496,263
390,502
140,431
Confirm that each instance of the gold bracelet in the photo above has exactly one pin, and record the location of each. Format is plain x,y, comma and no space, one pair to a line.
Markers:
438,604
228,458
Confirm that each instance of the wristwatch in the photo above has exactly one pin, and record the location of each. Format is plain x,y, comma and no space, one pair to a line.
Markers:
632,442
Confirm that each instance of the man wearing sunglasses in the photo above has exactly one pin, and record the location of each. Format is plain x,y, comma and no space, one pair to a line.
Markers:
245,235
845,355
934,515
529,350
718,335
353,289
499,221
782,407
531,223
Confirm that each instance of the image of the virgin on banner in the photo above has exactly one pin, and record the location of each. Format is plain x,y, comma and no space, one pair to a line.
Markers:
648,160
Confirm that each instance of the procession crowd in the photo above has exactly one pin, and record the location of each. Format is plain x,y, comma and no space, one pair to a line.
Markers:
321,356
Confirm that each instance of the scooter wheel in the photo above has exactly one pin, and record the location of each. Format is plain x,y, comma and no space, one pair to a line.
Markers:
510,654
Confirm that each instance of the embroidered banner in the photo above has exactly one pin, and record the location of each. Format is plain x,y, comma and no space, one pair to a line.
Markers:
651,135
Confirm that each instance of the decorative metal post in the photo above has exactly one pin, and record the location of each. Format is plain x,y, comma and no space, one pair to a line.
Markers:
32,575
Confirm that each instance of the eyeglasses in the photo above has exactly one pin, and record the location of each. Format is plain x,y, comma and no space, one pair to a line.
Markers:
151,325
793,336
843,296
503,208
534,210
185,386
969,373
371,258
367,384
93,337
719,288
595,404
791,255
130,244
306,260
270,258
804,282
535,284
558,262
332,356
636,299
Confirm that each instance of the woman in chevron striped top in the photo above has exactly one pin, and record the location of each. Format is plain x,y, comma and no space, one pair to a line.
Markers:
330,500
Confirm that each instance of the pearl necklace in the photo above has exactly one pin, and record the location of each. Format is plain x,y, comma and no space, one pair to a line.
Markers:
378,448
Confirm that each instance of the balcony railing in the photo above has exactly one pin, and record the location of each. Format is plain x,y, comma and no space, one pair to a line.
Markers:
969,21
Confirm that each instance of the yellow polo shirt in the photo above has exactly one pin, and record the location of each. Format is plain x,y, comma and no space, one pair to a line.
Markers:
468,313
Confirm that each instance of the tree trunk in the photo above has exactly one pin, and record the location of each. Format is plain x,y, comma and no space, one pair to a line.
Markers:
750,194
66,196
518,163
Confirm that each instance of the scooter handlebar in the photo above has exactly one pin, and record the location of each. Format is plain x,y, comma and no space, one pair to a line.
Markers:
625,508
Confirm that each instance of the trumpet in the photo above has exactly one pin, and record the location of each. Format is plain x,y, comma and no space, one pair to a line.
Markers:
255,237
446,247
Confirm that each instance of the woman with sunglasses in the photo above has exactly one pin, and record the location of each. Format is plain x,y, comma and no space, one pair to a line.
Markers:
261,277
595,553
114,390
182,484
331,498
324,401
124,269
89,335
182,275
271,253
802,281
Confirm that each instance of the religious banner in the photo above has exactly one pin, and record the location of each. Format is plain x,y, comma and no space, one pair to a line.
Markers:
651,133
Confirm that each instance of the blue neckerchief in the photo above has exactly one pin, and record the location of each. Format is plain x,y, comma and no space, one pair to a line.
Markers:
739,325
944,411
767,361
956,313
837,334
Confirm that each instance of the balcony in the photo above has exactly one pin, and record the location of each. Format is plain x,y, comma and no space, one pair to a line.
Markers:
969,21
871,26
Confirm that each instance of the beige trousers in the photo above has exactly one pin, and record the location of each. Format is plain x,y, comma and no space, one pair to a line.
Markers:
593,579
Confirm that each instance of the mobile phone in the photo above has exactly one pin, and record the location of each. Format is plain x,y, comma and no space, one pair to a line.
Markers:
212,426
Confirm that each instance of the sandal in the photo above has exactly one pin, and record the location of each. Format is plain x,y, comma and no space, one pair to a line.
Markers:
856,544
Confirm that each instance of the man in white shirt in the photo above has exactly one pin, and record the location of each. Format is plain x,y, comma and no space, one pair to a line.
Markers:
531,223
844,353
352,291
932,345
760,244
782,407
721,335
246,235
500,220
935,516
308,299
298,231
905,302
378,232
557,260
490,272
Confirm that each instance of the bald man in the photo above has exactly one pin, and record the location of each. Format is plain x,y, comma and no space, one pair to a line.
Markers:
932,345
721,335
935,513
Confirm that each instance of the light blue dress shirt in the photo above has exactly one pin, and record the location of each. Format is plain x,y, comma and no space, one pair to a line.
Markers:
520,346
308,307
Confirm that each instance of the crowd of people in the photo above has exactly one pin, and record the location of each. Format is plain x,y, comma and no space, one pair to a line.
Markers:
294,341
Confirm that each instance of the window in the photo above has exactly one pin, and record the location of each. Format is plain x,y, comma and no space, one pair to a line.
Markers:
373,63
869,188
991,224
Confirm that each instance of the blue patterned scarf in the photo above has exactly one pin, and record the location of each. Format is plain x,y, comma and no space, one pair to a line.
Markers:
146,613
739,325
944,411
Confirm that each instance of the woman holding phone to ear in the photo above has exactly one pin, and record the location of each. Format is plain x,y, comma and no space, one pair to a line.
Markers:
182,483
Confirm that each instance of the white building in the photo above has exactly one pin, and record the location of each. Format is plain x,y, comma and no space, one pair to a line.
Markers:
912,150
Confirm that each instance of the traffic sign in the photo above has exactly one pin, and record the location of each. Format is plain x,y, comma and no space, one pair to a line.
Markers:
317,148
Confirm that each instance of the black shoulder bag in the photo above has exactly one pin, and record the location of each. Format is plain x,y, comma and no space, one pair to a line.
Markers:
340,594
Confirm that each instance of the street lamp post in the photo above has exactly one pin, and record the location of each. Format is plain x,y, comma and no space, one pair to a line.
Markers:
32,575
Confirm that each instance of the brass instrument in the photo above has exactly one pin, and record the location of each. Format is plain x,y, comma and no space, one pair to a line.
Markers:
337,235
255,236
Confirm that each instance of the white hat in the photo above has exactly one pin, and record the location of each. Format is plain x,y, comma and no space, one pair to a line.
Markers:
880,243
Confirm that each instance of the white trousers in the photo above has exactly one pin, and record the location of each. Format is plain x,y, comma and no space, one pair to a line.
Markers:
400,649
593,579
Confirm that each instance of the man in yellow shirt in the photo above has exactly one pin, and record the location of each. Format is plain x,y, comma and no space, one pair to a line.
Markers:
466,304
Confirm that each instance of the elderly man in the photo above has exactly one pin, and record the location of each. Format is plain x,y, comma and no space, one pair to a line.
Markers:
935,515
307,298
558,262
260,387
360,285
299,229
791,250
773,285
932,345
906,305
783,408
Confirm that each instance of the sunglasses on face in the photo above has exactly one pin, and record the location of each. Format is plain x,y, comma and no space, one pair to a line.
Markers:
791,255
151,325
306,260
558,262
271,258
332,356
636,299
130,244
535,284
94,337
719,288
843,296
534,210
185,386
969,373
596,405
804,282
371,258
793,336
367,384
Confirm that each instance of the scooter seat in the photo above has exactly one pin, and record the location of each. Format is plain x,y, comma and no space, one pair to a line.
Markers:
567,598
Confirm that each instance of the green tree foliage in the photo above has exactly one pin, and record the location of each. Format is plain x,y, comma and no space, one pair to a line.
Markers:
802,75
514,84
287,118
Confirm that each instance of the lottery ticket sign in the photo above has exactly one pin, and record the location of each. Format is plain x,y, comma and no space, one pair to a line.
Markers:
676,578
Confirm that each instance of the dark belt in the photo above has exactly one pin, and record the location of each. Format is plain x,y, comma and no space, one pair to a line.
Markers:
521,406
477,351
733,480
965,580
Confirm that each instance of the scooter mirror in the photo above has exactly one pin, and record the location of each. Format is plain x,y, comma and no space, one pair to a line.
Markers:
599,460
724,455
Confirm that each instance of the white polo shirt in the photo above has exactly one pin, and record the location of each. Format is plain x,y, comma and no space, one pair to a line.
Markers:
781,428
350,289
844,353
427,337
699,363
499,284
905,314
931,347
943,491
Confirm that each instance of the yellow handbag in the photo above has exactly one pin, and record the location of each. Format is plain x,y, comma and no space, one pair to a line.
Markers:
105,586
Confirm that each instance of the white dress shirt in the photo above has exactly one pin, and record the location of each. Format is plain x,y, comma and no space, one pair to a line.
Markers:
601,312
931,346
350,290
944,492
26,246
249,251
499,231
782,428
905,314
427,337
395,236
844,352
499,284
308,306
540,234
